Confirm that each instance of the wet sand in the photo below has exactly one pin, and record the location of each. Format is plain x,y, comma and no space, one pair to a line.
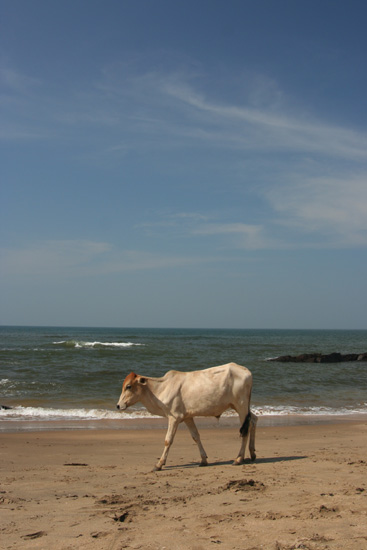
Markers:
95,489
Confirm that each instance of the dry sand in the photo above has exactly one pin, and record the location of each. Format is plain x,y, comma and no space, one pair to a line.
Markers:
94,489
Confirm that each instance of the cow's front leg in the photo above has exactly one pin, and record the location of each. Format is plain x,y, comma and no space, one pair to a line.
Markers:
170,435
196,437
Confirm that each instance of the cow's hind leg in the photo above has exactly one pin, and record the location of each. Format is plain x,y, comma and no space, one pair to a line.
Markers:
171,432
252,429
196,437
245,419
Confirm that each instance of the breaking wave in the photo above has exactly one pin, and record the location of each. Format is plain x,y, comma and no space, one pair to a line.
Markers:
95,345
44,414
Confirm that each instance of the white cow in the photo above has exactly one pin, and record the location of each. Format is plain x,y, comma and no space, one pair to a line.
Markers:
180,396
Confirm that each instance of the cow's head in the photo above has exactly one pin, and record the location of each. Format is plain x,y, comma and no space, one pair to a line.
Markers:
132,389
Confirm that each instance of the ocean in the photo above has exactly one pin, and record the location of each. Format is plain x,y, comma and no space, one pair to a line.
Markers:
65,374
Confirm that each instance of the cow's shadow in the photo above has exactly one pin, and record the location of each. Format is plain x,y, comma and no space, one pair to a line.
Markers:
273,459
266,460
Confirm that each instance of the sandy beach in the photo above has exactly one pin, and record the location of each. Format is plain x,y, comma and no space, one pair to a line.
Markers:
95,489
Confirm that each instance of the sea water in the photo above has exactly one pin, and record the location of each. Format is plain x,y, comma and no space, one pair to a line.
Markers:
55,374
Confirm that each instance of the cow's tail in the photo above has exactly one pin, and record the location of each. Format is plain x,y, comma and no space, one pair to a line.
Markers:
245,426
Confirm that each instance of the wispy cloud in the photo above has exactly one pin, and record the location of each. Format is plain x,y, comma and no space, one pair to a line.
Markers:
75,258
51,257
180,104
13,81
265,129
22,99
245,236
176,107
129,108
332,210
314,213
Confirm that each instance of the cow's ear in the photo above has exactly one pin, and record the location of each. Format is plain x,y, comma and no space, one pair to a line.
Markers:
142,380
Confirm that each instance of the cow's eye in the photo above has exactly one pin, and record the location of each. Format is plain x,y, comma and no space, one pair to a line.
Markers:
128,387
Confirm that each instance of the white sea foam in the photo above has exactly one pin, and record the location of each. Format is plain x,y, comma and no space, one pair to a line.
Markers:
309,411
49,414
81,344
44,414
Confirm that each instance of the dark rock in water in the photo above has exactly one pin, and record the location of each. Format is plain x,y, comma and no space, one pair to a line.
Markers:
5,407
321,358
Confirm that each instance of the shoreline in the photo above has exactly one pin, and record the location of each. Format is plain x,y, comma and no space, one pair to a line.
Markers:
143,423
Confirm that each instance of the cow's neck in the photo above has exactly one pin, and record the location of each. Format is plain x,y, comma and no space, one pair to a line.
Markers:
150,398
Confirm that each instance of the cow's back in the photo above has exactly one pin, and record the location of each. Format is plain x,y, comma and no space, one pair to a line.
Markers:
211,391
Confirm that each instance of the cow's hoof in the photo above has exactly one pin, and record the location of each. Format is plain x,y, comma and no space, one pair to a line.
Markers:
253,457
237,462
203,464
157,468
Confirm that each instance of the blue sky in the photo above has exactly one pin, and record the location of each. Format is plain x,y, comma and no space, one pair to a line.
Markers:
184,164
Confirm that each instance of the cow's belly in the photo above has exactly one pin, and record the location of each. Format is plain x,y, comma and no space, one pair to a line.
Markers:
206,409
215,411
